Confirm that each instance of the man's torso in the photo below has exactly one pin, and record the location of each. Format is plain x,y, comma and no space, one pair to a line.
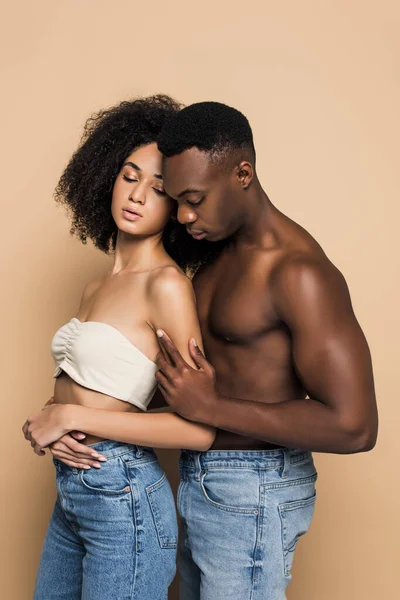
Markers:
244,339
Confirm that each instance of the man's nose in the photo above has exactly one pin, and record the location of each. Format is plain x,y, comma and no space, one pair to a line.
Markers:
186,215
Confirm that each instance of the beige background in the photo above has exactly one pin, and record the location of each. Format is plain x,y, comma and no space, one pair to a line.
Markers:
319,81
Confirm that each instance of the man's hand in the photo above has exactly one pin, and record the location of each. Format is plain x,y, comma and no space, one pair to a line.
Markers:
75,454
190,392
47,426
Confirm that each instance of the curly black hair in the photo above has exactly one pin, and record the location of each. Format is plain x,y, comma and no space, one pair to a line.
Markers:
86,185
211,127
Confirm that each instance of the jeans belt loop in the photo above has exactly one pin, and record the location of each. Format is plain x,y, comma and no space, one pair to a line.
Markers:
198,467
286,463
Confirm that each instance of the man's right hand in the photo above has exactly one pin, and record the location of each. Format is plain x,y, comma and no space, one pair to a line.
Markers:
75,454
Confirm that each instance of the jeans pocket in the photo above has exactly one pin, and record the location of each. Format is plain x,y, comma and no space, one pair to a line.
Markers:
111,479
296,517
232,490
162,507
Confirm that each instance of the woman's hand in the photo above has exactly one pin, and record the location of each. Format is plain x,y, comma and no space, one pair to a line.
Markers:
48,425
75,454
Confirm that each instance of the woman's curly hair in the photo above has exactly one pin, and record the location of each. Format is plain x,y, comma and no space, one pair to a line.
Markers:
86,185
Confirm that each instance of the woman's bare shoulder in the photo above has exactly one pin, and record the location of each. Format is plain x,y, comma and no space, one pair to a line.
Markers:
169,282
89,291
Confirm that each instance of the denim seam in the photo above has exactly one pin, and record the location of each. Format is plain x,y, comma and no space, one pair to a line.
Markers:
140,461
257,545
282,509
165,541
295,504
135,500
292,483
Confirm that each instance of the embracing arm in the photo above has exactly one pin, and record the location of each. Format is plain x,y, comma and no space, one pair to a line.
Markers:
158,429
332,359
173,304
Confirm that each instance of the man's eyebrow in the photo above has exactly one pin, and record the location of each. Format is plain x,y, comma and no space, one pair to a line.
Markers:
188,191
131,164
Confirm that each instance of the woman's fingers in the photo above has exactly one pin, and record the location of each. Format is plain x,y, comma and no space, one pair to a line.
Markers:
72,460
68,444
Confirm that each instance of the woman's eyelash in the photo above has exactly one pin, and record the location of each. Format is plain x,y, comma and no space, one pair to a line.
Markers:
157,191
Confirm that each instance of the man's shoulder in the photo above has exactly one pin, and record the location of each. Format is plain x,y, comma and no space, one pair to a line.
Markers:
305,270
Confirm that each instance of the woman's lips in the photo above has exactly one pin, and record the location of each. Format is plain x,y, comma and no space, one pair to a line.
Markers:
131,216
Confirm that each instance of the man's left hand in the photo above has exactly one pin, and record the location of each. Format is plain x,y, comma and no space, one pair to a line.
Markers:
190,392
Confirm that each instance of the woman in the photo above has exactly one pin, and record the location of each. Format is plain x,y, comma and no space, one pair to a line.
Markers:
113,533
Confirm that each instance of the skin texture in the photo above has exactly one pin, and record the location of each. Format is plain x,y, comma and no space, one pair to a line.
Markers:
144,291
276,320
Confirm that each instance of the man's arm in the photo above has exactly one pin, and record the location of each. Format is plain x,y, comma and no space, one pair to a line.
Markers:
331,357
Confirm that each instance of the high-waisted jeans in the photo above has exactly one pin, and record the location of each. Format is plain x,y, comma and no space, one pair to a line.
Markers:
113,533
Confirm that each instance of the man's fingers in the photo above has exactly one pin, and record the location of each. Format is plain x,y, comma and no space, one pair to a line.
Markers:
163,382
197,355
168,345
167,369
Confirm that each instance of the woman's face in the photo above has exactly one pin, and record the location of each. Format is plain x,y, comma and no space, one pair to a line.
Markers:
140,205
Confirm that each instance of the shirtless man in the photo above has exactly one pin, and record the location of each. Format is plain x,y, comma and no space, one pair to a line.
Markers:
291,368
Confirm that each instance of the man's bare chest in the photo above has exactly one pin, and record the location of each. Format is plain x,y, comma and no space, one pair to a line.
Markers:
234,302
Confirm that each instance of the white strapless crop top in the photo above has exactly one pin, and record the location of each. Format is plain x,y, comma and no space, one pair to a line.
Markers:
99,357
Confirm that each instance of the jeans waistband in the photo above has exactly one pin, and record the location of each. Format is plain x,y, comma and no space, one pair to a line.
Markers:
233,458
110,448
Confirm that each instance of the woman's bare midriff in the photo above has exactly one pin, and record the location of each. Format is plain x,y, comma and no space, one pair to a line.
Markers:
67,391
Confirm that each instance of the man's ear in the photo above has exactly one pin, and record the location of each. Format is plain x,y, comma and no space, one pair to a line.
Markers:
244,173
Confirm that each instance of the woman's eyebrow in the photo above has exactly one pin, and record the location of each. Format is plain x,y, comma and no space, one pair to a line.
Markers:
131,164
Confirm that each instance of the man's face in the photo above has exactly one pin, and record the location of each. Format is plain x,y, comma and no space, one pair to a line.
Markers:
207,195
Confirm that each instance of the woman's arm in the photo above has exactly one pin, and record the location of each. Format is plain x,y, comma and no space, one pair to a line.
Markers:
172,304
158,429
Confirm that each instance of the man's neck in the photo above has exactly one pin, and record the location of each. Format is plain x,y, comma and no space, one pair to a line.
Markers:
257,228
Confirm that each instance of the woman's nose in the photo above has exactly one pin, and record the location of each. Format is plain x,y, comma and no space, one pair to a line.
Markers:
138,194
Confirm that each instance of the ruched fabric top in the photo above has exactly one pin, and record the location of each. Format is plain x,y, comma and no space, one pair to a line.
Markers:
99,357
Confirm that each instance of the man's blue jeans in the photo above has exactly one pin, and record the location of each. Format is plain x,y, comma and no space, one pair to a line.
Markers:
242,514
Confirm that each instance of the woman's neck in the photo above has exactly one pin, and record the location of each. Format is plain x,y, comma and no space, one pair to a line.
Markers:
136,254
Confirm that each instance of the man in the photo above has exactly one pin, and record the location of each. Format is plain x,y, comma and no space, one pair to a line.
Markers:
290,368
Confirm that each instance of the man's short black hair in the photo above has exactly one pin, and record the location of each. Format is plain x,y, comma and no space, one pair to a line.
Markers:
211,127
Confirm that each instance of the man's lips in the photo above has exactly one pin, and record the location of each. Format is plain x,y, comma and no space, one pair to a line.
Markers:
197,234
131,214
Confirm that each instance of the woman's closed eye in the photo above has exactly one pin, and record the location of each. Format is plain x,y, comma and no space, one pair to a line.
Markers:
128,179
160,192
